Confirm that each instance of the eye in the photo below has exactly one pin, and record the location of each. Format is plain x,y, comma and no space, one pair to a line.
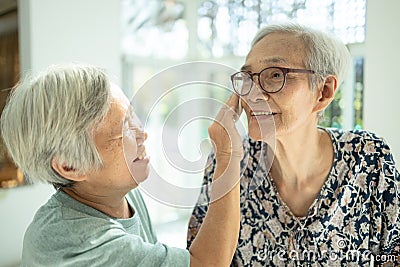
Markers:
273,75
277,75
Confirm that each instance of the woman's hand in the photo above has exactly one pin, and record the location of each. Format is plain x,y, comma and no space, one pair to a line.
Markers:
223,133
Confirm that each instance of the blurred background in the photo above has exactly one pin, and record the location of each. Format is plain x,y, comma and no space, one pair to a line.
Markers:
139,41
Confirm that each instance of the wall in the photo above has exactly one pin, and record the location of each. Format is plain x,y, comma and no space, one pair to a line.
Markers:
382,91
56,31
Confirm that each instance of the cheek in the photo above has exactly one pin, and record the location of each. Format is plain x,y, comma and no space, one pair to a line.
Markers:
288,101
130,147
111,156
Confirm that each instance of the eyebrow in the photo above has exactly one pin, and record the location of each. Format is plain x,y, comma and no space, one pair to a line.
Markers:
266,61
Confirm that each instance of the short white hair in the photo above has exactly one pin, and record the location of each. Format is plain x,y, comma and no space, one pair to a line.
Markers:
52,116
325,54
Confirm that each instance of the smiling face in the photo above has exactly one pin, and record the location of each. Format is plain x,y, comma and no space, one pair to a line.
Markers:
119,139
290,108
134,149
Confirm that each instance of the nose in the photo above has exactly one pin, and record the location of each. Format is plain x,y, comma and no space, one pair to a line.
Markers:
257,94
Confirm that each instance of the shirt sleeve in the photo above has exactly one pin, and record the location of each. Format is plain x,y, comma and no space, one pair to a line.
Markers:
133,251
200,210
388,194
111,247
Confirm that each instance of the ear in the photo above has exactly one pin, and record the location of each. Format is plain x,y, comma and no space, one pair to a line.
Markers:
326,94
66,171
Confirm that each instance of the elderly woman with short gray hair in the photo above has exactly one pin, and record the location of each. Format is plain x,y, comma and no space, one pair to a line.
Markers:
71,127
311,196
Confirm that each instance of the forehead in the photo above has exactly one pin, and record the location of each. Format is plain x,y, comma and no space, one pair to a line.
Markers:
279,49
118,96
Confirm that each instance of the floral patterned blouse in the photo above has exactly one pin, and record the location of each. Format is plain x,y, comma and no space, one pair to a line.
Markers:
356,214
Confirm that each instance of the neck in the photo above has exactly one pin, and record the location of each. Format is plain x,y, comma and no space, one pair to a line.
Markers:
300,156
115,206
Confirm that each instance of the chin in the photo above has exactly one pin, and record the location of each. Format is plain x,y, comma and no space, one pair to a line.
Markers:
261,128
141,178
140,173
138,180
257,134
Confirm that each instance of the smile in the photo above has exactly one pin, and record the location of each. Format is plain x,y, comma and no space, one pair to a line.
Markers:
141,155
261,113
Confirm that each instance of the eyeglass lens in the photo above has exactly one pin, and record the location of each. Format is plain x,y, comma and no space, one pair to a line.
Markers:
271,80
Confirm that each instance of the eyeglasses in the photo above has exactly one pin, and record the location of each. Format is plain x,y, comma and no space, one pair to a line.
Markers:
271,79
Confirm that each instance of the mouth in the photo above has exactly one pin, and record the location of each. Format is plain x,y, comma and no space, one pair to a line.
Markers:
262,113
141,155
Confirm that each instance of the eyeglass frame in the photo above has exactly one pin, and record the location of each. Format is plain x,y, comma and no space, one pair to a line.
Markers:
252,74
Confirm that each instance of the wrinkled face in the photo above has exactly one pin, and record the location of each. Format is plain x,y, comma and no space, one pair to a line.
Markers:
119,139
292,107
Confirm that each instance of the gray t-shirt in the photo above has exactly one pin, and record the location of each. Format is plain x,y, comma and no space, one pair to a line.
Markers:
65,232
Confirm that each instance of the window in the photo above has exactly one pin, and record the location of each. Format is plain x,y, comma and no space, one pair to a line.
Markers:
226,27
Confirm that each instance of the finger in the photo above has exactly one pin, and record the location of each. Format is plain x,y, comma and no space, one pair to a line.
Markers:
231,109
221,113
229,118
240,108
233,102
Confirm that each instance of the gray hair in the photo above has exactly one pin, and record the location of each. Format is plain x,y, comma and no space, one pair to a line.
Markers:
52,116
325,54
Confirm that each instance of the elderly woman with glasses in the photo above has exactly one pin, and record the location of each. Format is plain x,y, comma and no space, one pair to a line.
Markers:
310,196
